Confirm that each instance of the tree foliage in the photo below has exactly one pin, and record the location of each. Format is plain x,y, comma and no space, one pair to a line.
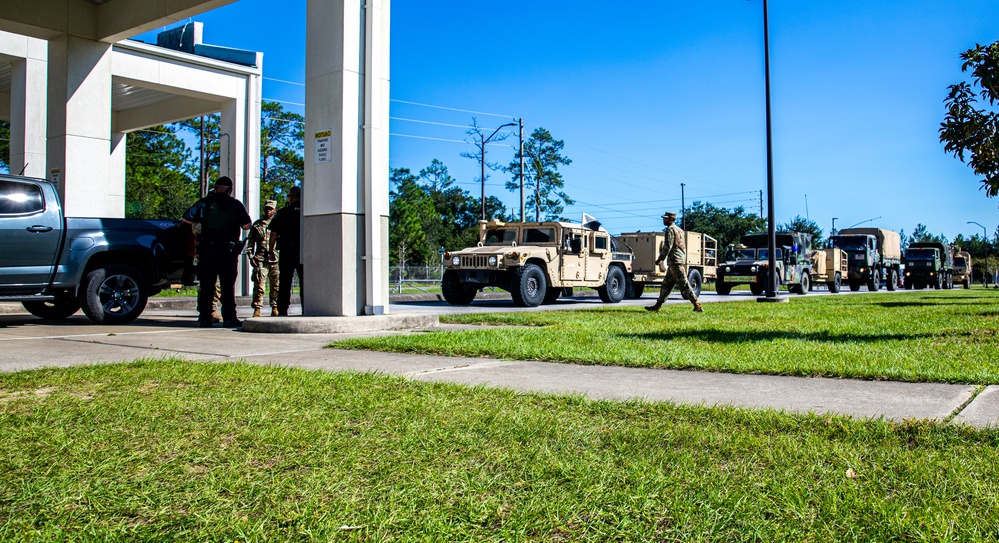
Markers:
971,133
923,234
725,225
157,180
410,210
805,226
543,182
282,148
5,145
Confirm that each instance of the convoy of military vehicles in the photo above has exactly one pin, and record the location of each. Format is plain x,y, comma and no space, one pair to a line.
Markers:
537,262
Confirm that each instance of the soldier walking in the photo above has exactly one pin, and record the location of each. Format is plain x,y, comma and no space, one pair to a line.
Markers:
673,252
263,261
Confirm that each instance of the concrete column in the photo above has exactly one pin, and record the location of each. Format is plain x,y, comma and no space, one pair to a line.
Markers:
79,128
25,106
345,191
116,164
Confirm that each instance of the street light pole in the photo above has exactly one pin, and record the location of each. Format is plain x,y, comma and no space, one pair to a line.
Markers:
771,227
521,123
482,154
985,232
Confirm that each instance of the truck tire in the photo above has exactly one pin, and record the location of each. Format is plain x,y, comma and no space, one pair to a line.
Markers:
836,284
612,291
891,282
874,282
59,308
115,294
528,286
454,291
552,295
756,288
938,284
634,290
696,281
967,283
804,286
854,286
722,288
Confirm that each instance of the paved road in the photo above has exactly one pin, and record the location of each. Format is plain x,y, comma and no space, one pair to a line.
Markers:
28,343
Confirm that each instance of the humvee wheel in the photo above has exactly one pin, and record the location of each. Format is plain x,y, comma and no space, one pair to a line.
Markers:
967,283
528,286
836,284
694,278
723,289
756,289
891,282
454,291
612,290
633,290
552,295
938,283
803,287
854,286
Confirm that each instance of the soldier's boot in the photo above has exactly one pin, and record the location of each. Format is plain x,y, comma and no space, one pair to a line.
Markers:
256,311
274,312
698,307
654,307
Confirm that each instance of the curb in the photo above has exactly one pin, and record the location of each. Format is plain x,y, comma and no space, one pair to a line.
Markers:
338,325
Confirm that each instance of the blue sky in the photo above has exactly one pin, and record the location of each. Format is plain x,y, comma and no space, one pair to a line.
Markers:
659,93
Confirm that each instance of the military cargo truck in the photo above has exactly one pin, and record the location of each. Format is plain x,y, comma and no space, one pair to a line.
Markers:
748,263
929,264
875,256
962,267
702,260
830,266
536,262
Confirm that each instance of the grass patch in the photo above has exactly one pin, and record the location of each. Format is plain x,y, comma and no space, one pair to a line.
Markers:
948,336
174,451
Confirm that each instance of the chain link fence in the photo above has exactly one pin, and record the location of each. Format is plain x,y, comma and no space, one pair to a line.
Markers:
415,278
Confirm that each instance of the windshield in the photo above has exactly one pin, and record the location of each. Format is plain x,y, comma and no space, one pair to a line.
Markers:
850,243
921,254
740,254
960,262
501,237
765,254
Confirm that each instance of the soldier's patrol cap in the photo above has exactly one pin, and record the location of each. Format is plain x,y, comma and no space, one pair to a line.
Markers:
271,204
669,215
223,182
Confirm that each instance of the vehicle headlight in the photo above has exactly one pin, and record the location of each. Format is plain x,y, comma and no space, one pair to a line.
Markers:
456,261
492,261
728,269
753,269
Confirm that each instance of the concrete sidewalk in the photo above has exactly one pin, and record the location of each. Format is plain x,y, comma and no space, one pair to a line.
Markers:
29,343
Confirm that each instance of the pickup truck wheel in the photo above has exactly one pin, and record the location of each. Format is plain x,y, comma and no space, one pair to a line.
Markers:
891,281
56,309
529,286
836,284
115,294
694,278
874,283
454,291
612,290
723,289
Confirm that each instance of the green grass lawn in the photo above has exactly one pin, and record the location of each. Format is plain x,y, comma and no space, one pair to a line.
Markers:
945,336
175,451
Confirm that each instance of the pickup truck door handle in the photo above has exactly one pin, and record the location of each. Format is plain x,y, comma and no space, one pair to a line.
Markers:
39,228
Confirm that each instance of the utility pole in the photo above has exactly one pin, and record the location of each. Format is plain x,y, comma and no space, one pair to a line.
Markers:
761,204
482,155
771,232
683,209
520,121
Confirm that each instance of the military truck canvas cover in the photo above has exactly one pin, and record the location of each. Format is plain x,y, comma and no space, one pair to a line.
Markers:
889,241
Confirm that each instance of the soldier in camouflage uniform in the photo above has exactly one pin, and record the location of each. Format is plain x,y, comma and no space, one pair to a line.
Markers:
263,260
673,252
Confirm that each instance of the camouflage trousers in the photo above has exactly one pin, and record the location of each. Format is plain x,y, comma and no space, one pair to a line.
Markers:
261,274
676,276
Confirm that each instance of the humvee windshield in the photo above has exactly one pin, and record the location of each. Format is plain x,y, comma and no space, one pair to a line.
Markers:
850,243
960,262
501,237
921,254
741,254
765,254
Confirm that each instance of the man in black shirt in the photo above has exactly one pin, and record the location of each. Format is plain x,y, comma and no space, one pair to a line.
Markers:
221,216
287,224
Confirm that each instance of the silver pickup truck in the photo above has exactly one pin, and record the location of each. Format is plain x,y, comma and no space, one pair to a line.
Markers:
56,265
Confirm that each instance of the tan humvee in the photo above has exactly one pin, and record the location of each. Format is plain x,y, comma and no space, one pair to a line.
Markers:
536,262
702,259
962,267
830,266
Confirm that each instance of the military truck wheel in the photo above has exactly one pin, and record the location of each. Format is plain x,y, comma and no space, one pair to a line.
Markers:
756,289
722,288
695,280
115,294
874,283
612,290
836,284
633,290
59,308
891,282
454,291
552,295
528,286
854,286
967,283
938,283
803,287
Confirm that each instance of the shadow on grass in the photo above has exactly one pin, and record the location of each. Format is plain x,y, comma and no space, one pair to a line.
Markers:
722,336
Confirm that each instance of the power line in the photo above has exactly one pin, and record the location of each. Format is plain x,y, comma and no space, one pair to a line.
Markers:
283,81
451,108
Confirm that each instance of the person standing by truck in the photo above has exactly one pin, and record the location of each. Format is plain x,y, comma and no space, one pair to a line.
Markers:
221,217
286,235
263,261
673,253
